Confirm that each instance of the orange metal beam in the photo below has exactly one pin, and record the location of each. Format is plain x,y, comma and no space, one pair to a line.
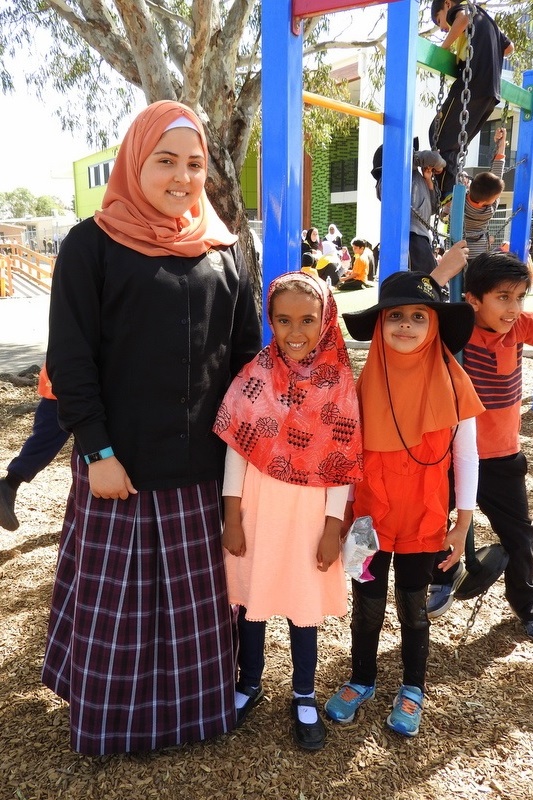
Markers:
313,99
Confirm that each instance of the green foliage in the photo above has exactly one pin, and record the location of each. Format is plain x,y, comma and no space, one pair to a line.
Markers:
321,124
93,91
21,202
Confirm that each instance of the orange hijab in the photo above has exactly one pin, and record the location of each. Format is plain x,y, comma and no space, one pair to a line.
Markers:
427,389
128,218
297,421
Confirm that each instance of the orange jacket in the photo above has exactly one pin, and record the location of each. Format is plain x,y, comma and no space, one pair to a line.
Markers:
44,387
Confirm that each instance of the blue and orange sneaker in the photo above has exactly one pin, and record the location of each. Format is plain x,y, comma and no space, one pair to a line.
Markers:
343,706
406,711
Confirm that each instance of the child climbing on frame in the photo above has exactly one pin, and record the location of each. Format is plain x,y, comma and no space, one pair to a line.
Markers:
489,46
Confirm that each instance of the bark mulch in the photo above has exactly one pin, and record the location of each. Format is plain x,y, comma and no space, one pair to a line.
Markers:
476,739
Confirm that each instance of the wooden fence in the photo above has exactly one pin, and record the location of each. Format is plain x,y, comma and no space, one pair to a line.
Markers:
18,260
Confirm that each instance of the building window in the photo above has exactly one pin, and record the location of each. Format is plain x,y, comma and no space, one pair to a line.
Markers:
343,175
99,173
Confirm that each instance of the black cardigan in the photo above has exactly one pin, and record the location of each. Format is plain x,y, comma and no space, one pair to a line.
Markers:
142,349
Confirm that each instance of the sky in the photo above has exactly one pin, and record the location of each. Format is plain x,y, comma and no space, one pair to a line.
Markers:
35,153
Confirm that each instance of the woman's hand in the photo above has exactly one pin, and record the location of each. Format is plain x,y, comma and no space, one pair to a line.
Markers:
109,480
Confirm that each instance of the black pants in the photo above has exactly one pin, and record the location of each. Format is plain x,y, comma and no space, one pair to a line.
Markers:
351,285
45,442
329,271
412,574
251,653
502,497
479,110
421,258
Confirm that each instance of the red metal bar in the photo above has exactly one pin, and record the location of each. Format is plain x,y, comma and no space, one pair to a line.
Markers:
312,8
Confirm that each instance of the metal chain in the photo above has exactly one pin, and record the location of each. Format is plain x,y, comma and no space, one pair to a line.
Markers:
438,111
505,114
515,165
464,116
470,622
506,223
421,219
436,188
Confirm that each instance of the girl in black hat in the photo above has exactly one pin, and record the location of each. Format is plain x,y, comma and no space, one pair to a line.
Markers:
415,401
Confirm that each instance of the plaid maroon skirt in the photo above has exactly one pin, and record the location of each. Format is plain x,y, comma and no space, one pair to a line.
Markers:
139,640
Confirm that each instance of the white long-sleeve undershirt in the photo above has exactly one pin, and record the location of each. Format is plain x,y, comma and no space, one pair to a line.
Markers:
235,470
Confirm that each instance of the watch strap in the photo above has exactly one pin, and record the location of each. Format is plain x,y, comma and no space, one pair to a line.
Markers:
99,455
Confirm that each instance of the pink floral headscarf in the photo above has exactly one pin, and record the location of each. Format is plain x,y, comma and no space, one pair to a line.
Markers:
297,421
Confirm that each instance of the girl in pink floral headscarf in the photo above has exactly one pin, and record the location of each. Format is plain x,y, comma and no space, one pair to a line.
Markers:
291,421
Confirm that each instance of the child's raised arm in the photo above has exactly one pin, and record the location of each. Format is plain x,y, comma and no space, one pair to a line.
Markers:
499,138
451,263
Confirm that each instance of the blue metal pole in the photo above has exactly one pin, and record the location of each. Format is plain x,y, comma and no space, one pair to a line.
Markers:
400,98
282,157
523,183
457,224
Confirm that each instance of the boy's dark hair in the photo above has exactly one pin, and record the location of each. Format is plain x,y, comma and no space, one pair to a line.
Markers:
484,186
488,270
438,5
358,243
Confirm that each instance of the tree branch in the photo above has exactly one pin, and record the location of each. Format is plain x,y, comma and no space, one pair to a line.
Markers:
172,25
101,36
319,47
146,47
193,72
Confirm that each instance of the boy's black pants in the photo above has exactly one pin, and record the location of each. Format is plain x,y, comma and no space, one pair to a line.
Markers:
502,497
479,110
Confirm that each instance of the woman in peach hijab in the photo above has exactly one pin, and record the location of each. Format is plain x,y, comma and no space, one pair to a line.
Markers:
151,317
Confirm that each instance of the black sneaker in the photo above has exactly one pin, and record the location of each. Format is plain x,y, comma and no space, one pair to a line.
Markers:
255,695
8,519
307,736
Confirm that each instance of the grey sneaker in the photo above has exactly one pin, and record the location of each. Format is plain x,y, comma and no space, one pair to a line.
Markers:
406,711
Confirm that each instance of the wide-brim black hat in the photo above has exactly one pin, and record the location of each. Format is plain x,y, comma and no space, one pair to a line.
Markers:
456,320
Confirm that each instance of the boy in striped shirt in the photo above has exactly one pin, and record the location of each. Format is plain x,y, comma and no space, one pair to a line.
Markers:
496,285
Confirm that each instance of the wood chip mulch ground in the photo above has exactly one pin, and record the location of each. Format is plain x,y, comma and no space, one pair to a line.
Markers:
476,739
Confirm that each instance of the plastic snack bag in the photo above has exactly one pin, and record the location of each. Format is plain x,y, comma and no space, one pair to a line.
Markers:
358,549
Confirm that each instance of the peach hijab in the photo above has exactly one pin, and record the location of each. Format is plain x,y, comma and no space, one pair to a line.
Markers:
128,218
423,391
